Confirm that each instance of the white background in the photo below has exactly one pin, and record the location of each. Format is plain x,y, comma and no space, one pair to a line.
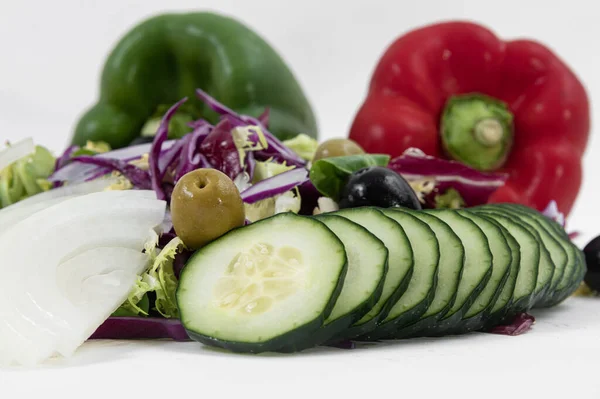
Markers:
51,54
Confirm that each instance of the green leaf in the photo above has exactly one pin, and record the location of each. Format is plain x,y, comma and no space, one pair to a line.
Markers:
329,175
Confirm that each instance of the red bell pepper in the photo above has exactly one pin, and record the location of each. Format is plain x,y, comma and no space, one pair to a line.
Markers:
457,91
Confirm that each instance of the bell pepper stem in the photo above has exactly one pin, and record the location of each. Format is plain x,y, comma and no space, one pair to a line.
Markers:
477,130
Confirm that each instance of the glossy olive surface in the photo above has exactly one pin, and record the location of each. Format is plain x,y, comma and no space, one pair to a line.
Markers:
337,148
592,261
205,204
378,186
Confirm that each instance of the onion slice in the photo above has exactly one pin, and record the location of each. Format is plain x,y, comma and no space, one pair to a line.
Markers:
16,151
67,267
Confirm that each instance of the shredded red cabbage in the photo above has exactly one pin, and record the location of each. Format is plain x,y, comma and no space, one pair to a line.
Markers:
141,328
519,325
264,117
310,196
153,158
275,185
65,158
475,187
276,149
220,150
138,177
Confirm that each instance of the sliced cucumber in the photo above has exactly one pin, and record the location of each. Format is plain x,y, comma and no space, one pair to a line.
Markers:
367,268
262,286
478,314
559,234
524,294
502,307
476,272
400,265
553,242
420,292
452,256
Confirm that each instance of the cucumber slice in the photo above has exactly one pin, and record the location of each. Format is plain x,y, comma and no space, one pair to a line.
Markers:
476,272
367,267
451,262
524,294
559,234
262,286
478,314
502,307
546,267
400,265
552,242
420,292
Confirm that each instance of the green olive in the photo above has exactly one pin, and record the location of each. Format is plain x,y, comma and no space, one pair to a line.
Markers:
205,204
337,148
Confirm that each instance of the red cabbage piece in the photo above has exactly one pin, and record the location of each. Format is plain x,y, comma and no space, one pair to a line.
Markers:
276,149
141,328
65,158
519,325
190,157
264,117
310,196
275,185
475,187
77,172
155,150
220,150
138,177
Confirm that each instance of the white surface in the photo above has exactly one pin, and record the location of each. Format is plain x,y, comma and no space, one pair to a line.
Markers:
557,359
52,53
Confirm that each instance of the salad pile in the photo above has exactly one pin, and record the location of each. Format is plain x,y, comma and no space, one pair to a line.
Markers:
188,219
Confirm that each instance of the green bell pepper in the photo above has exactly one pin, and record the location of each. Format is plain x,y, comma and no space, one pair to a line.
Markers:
167,57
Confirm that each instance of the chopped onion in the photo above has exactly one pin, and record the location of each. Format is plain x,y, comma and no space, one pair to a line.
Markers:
15,152
66,268
27,207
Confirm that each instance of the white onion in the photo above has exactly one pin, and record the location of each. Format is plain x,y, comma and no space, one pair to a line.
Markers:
67,267
15,152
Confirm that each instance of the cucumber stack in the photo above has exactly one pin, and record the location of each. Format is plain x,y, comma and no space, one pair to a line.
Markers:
289,282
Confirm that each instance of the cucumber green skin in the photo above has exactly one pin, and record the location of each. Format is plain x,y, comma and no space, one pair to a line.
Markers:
386,329
363,329
478,321
506,310
569,274
579,273
546,234
276,343
448,322
424,324
526,302
326,334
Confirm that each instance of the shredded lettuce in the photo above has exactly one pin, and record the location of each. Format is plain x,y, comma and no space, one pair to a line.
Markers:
269,168
289,201
450,199
26,177
159,278
303,145
241,139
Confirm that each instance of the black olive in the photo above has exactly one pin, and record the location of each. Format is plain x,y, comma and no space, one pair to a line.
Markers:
592,261
142,140
380,187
